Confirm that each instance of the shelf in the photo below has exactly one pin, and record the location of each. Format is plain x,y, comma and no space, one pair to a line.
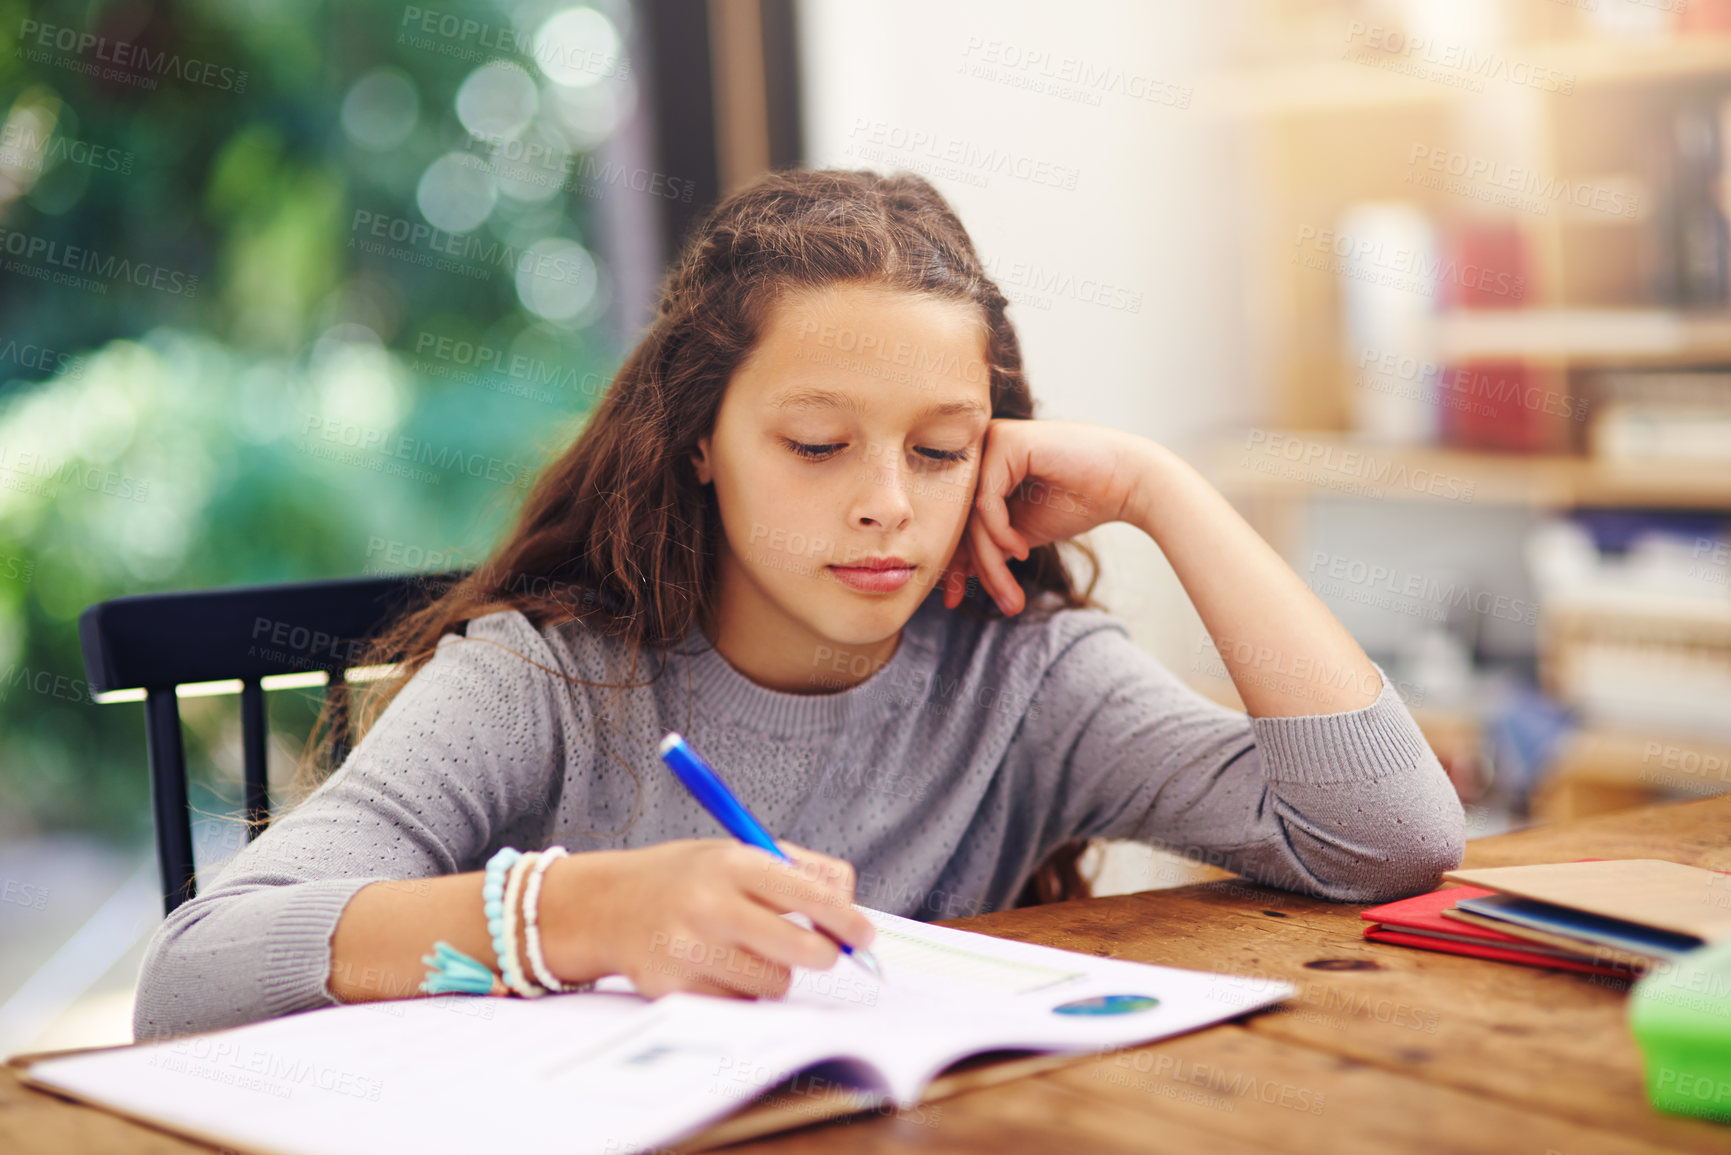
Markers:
1297,465
1598,771
1338,84
1585,337
1657,761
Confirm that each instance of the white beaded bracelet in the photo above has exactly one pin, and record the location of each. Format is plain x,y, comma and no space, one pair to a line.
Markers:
532,933
508,966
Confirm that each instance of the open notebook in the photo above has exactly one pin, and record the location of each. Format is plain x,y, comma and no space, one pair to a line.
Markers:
609,1071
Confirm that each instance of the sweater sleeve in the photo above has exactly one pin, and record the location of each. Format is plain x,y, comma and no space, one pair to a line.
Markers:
1351,806
467,748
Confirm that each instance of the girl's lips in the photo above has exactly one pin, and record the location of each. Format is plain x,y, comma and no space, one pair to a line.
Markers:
873,580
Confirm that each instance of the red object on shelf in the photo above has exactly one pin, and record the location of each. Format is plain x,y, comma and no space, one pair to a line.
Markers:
1484,267
1482,405
1504,405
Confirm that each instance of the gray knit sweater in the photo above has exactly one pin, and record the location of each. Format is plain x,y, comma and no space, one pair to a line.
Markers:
945,777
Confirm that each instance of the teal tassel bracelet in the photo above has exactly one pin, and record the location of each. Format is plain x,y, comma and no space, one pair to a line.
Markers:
449,971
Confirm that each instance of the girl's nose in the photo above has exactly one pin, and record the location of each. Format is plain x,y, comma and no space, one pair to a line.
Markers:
884,498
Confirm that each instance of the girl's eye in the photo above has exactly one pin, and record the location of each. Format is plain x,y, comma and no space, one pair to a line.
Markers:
814,452
819,452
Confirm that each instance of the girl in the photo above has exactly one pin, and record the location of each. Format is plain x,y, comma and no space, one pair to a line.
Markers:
813,528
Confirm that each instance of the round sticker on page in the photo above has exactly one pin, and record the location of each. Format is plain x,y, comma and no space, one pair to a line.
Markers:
1107,1005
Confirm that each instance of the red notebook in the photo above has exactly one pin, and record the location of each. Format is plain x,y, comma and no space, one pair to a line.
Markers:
1418,921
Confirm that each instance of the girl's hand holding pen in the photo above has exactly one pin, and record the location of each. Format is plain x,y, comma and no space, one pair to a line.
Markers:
698,914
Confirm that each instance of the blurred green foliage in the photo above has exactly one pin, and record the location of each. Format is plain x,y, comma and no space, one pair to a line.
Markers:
255,398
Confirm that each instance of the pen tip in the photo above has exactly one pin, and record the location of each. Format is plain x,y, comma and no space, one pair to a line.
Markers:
673,739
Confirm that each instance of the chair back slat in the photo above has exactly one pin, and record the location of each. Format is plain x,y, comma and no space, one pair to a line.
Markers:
168,796
254,745
159,641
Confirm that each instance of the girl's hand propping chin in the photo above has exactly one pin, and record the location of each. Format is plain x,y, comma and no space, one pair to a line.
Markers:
1041,482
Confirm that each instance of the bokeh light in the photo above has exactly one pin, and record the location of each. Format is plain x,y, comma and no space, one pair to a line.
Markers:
577,47
556,279
534,165
590,115
381,109
497,100
457,192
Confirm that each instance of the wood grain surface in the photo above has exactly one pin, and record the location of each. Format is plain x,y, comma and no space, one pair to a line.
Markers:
1383,1049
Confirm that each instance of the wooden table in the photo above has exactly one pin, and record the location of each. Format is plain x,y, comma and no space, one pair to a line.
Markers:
1383,1049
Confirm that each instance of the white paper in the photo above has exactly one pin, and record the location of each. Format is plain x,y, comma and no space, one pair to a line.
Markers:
610,1072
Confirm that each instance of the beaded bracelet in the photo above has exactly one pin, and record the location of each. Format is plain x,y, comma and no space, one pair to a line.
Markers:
493,897
509,967
501,918
532,933
449,970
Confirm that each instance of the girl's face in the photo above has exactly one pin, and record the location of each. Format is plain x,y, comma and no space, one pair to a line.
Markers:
848,441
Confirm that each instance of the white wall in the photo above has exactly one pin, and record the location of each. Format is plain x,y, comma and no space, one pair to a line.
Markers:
898,84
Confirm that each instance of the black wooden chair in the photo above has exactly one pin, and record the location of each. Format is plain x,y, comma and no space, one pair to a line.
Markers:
157,642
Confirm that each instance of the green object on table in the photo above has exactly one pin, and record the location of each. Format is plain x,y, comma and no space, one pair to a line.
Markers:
1681,1016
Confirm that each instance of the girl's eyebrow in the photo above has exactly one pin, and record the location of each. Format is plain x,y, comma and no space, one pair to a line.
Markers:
815,398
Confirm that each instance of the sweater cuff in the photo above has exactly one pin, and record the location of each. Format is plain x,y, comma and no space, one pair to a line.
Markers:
1354,746
297,956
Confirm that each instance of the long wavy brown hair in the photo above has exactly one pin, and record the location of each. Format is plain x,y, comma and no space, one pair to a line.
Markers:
618,533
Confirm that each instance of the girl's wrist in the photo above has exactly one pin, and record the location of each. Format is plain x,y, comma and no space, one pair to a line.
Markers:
1159,474
571,943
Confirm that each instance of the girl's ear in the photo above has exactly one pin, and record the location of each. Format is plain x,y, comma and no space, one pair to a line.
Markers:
700,461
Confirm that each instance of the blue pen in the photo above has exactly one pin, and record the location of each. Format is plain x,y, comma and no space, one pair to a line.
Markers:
709,789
